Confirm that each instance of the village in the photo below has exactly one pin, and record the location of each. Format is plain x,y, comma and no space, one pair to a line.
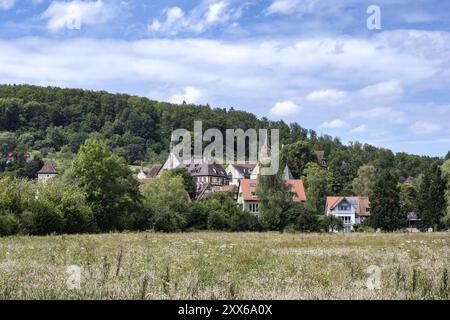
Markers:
240,181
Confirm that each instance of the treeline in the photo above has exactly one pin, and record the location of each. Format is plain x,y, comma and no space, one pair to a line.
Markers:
54,123
100,194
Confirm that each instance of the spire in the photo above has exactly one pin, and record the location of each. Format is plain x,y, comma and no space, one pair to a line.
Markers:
48,168
287,175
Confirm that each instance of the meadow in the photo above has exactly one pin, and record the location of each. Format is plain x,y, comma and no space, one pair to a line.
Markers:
226,266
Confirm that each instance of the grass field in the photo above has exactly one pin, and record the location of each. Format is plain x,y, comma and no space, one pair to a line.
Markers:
226,266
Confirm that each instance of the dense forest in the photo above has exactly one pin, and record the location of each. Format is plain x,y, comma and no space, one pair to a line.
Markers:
45,122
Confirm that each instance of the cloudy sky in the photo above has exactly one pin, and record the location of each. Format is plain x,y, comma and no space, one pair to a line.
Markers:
311,61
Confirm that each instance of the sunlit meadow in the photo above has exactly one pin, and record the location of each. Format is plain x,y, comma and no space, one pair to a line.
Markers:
226,266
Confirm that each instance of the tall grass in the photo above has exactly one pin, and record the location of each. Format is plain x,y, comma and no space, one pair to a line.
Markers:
226,266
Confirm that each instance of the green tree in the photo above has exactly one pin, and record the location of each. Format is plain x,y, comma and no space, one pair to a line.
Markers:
318,184
365,181
112,191
167,199
385,205
431,198
330,223
296,156
71,204
303,219
275,201
408,197
188,180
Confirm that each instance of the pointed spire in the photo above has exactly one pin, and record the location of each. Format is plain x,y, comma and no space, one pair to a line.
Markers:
287,175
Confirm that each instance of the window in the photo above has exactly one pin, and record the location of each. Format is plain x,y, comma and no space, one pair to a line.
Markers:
253,207
343,207
252,185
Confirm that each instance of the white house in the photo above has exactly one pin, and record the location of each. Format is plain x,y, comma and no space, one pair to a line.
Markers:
351,210
238,171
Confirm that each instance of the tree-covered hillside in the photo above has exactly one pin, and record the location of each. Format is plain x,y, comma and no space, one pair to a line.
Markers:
49,122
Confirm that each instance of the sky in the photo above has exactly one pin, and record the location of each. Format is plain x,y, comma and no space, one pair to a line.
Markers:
315,62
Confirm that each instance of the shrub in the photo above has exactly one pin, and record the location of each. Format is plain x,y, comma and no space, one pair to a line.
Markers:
45,218
9,224
198,216
77,215
166,197
217,220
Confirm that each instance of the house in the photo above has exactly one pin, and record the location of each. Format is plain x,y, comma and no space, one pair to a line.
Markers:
47,172
238,171
321,159
248,198
205,172
351,210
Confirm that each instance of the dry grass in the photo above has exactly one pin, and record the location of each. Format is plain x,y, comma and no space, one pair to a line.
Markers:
226,266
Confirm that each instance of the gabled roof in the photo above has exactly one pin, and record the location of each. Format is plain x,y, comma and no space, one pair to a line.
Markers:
248,188
361,204
244,169
48,168
205,169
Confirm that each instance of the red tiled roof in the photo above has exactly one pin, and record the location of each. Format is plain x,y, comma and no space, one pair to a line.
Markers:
48,168
361,206
248,187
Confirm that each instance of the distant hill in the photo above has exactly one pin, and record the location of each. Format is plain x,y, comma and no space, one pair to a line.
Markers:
54,122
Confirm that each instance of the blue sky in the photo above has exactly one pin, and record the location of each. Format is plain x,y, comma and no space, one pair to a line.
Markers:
310,61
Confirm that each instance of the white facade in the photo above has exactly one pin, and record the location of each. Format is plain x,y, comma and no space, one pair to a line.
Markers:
346,212
351,210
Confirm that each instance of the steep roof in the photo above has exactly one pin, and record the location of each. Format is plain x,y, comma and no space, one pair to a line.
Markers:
244,169
361,204
154,170
248,187
287,175
206,169
48,168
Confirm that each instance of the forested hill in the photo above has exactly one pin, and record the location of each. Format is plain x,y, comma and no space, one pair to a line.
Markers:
52,123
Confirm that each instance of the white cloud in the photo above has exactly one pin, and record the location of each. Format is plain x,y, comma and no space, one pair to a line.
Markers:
172,16
190,95
425,127
384,114
76,13
360,129
327,96
7,4
284,108
334,124
383,89
198,20
281,7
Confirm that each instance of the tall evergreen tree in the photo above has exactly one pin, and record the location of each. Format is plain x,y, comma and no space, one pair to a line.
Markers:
431,198
446,176
385,203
